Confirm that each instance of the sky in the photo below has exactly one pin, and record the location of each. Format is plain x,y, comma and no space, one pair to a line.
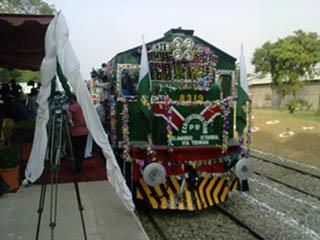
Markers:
99,29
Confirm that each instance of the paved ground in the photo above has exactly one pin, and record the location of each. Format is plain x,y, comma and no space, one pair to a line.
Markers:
106,217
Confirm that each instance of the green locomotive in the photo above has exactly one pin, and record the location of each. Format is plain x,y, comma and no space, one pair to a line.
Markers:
183,156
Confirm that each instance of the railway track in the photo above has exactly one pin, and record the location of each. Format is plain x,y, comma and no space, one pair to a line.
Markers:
163,236
315,175
156,226
241,223
164,233
286,183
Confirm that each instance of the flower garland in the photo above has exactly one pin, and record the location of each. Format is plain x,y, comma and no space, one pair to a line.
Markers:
203,84
204,62
245,141
168,104
161,98
125,130
226,105
113,119
241,147
249,129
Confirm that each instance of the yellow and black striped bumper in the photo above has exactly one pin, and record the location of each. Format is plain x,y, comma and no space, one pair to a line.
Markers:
209,191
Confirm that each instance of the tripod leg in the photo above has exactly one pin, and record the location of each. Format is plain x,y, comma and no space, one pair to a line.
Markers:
80,205
55,167
44,183
54,194
41,201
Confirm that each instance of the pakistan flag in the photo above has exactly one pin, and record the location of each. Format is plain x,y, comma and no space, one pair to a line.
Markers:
243,96
144,87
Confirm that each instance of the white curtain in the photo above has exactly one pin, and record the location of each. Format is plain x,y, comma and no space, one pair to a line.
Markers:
58,45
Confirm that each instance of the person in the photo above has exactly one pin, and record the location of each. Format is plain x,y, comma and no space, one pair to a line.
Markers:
78,132
8,115
103,107
32,105
21,114
16,89
105,89
101,110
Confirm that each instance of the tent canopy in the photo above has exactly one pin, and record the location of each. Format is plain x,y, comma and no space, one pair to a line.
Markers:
22,40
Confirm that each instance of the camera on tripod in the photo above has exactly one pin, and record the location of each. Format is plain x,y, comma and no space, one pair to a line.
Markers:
59,146
59,105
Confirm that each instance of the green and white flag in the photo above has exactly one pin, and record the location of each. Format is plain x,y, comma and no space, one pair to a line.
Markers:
144,86
243,95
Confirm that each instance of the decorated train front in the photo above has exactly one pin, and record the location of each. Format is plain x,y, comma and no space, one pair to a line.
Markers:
173,124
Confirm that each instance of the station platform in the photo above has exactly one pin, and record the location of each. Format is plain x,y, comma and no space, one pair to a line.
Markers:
106,218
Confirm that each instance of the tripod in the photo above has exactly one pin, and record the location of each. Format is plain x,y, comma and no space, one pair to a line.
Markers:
59,144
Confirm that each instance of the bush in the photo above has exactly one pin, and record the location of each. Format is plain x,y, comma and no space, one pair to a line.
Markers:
292,106
298,104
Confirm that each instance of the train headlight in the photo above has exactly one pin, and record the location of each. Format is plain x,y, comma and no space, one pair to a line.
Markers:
244,169
188,43
177,54
188,55
154,174
177,42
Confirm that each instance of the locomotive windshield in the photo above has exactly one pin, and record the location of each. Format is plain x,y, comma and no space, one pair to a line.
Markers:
129,82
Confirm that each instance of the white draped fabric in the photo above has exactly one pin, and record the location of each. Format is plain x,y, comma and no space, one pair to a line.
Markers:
88,150
57,44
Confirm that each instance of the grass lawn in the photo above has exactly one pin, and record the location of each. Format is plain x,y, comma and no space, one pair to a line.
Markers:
303,146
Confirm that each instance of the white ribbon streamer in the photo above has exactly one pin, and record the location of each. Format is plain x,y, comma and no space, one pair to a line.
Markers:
58,45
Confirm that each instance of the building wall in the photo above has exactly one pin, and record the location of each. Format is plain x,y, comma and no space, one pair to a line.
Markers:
264,96
261,95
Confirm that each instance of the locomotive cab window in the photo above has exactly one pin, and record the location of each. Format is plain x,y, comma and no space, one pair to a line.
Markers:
226,85
129,82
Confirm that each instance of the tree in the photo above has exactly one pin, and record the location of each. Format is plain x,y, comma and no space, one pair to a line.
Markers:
26,7
19,75
288,61
6,75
